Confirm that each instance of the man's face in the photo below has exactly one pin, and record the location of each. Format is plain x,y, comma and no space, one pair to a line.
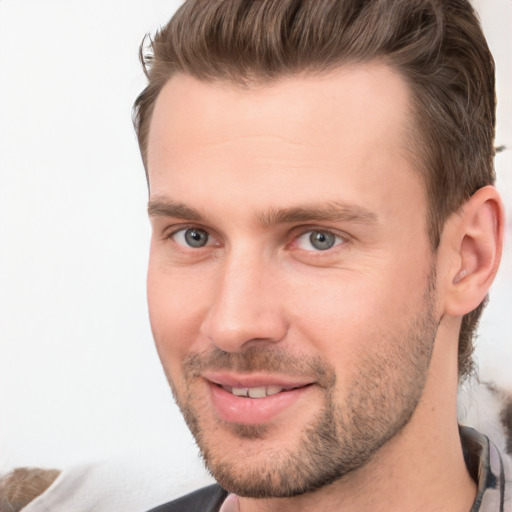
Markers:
291,283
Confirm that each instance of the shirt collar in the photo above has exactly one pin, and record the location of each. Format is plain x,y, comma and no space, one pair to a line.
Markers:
485,466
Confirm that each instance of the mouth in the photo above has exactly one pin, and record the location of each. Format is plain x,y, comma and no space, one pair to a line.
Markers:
258,392
254,400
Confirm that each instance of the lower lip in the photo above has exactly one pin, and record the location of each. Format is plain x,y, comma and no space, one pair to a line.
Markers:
253,411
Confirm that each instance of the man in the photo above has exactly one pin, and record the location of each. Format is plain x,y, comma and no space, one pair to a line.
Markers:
325,232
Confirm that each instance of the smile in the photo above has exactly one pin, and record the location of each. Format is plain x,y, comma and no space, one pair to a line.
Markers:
257,392
252,399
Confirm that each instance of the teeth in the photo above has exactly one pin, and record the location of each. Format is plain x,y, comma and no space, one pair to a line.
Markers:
240,391
260,392
257,392
273,390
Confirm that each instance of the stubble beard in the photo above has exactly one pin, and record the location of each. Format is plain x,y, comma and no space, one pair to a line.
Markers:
384,394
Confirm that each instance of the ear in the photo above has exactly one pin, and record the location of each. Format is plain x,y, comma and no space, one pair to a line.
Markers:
475,245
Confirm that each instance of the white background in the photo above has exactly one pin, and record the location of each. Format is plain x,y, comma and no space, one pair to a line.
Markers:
79,377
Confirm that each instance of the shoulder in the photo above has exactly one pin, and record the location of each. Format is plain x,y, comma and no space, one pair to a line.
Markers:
207,499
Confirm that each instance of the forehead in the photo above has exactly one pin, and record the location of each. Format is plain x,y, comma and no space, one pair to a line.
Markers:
354,91
345,129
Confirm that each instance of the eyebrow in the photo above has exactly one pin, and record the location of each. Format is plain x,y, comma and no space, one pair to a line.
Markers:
162,207
331,211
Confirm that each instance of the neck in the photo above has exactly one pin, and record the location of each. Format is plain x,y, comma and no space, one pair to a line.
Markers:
422,468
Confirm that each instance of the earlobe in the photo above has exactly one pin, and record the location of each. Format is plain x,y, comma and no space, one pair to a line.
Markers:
478,243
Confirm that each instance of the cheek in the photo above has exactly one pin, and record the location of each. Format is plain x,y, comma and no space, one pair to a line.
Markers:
354,313
339,324
177,306
341,300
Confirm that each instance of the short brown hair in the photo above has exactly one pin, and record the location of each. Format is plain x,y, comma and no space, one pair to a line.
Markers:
436,45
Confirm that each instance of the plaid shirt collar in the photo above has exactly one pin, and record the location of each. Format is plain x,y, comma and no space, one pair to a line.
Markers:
485,465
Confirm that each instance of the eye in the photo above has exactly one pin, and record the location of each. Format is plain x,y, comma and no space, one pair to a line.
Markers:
192,237
318,240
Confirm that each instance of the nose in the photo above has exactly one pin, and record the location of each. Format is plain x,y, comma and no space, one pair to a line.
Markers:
247,307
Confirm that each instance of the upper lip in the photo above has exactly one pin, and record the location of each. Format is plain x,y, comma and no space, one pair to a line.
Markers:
256,380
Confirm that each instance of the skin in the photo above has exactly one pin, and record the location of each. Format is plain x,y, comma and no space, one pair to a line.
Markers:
370,324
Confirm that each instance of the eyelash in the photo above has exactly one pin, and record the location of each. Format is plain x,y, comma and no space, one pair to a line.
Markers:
336,239
341,239
169,235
